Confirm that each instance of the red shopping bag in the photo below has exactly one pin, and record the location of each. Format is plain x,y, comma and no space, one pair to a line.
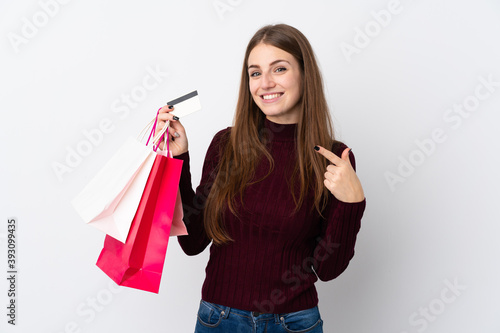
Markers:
139,262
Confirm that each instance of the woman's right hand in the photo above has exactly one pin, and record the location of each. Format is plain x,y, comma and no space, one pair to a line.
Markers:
178,142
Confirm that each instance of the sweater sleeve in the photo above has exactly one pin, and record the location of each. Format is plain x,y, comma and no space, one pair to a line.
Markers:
335,246
193,202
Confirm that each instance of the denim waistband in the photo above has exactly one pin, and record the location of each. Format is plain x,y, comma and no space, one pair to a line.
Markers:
253,315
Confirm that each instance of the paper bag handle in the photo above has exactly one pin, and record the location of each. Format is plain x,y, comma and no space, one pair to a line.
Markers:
161,135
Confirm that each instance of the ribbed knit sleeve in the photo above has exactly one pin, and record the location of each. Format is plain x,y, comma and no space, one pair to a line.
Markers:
335,246
193,202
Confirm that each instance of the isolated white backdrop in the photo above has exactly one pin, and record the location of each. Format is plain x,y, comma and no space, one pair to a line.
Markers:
427,254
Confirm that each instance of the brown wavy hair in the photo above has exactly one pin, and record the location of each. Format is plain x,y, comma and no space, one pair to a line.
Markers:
245,144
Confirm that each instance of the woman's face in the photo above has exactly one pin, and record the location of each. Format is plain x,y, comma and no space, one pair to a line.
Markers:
275,80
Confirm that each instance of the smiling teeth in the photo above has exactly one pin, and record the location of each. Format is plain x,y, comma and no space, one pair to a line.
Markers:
271,96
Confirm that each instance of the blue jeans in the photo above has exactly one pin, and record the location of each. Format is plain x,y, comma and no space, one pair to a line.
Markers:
214,318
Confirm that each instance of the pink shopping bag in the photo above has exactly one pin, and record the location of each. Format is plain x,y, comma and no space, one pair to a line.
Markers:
139,262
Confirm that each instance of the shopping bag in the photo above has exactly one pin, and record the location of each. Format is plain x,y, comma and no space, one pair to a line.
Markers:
111,198
139,262
178,227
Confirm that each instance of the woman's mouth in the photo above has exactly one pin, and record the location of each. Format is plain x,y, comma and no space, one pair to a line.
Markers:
268,98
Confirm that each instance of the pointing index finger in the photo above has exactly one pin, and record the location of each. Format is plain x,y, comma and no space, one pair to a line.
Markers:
328,154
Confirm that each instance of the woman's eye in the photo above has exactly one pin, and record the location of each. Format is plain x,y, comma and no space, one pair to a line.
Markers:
254,74
280,69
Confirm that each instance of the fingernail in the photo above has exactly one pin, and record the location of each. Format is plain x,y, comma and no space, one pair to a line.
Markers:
316,148
176,118
170,107
176,135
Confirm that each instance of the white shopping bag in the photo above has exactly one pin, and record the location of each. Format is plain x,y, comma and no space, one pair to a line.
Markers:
110,200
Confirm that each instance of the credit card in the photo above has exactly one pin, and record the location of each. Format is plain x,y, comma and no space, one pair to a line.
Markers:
186,104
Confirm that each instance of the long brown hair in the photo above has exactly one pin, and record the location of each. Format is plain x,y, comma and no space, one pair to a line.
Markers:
245,144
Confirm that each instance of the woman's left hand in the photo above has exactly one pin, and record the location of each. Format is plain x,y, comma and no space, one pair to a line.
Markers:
340,178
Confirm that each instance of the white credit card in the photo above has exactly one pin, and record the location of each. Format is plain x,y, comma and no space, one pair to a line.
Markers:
186,104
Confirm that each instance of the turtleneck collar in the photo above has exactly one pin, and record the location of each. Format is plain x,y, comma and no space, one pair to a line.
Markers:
281,132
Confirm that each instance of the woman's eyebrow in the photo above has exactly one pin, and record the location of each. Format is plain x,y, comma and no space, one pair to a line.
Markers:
273,63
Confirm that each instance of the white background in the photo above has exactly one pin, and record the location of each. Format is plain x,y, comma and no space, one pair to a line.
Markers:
437,228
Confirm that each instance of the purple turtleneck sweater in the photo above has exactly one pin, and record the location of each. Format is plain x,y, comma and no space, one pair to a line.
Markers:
277,255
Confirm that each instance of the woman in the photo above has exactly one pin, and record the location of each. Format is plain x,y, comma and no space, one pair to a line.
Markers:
279,214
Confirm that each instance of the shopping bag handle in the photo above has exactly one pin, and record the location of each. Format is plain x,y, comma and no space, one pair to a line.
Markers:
144,131
161,135
158,137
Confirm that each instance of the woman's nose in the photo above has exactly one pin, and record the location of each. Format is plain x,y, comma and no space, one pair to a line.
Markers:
267,81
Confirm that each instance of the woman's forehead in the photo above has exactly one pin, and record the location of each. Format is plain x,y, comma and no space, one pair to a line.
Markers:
265,55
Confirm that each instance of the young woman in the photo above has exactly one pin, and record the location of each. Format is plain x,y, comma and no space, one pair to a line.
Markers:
278,199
